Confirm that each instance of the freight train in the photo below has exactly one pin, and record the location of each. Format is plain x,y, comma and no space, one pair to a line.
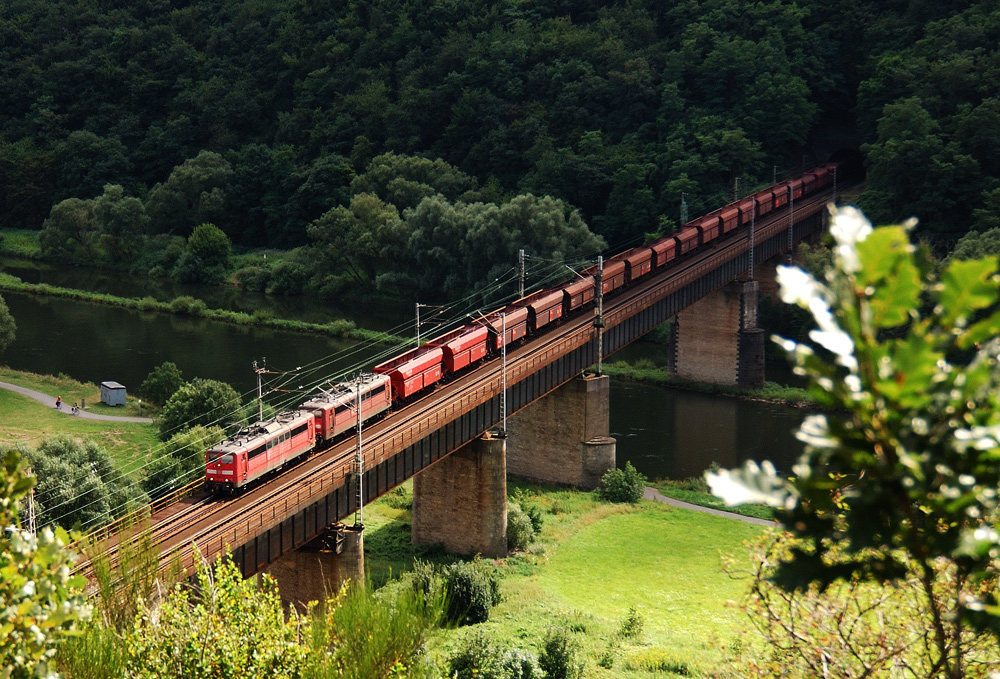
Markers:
266,446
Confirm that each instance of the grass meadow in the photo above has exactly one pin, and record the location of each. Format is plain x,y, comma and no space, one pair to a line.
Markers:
28,421
596,569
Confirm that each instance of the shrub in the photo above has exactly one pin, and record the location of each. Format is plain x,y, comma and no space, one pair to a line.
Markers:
162,382
148,304
253,278
520,531
400,497
659,661
339,328
558,658
623,485
188,305
480,657
472,589
632,624
288,278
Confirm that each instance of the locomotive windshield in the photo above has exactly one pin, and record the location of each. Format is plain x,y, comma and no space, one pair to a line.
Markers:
221,458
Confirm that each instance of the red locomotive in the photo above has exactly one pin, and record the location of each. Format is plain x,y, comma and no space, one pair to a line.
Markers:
265,446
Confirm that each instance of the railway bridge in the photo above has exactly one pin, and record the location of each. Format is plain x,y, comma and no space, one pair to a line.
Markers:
460,484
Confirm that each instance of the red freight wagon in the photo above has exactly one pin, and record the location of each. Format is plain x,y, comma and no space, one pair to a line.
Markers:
258,449
335,411
730,216
577,293
746,210
613,276
808,183
823,177
462,347
780,193
638,263
544,307
515,319
687,240
709,227
413,371
664,250
765,202
797,188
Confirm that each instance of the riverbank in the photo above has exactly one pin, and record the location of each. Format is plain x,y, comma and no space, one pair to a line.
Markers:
196,308
647,373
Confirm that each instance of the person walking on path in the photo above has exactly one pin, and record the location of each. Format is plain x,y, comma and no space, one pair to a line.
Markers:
58,401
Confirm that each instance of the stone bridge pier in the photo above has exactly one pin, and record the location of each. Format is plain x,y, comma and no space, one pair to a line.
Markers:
563,438
460,501
717,339
321,567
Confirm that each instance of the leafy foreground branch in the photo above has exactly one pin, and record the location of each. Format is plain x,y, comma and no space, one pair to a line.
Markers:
904,483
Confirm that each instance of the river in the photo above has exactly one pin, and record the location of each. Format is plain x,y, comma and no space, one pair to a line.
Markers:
664,432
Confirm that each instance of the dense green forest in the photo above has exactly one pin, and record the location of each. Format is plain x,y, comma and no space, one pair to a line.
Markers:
417,144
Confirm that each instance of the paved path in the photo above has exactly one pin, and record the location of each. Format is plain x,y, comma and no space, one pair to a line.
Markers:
656,496
51,402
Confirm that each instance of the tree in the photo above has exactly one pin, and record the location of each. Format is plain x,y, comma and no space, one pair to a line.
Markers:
43,602
200,401
122,220
180,460
79,484
195,192
71,231
162,382
907,477
206,257
88,162
352,239
8,327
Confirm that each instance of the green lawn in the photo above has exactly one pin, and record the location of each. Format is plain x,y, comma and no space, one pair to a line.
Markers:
591,565
28,421
19,243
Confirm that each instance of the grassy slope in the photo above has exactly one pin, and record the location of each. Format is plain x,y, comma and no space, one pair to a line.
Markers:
28,421
592,563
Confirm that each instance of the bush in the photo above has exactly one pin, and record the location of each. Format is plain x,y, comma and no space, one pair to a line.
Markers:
162,382
480,657
77,481
659,661
520,531
254,278
288,278
472,589
181,460
558,658
623,485
188,305
201,401
147,303
631,625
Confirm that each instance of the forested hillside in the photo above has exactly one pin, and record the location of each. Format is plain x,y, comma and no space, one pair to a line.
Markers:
260,116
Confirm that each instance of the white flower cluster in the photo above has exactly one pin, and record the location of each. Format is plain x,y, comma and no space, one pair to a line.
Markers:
848,227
